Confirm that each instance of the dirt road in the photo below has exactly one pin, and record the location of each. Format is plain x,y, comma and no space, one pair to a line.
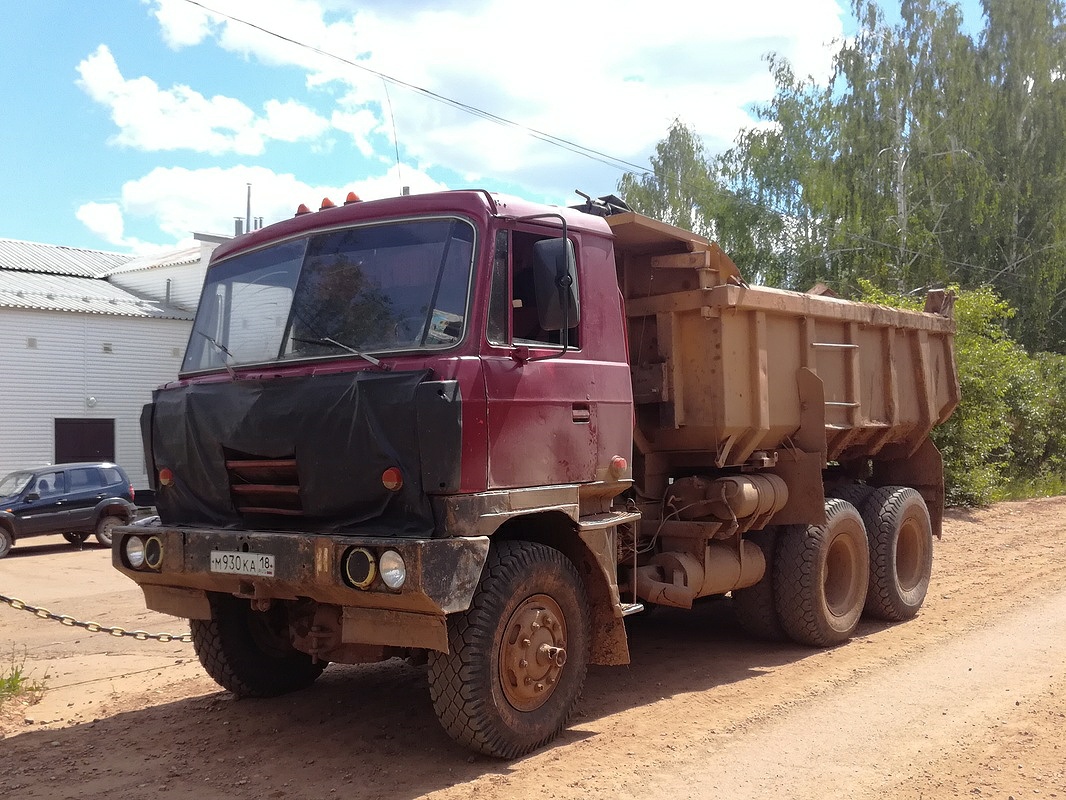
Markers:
967,700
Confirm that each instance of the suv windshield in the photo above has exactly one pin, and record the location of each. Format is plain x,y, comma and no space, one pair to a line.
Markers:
395,286
14,483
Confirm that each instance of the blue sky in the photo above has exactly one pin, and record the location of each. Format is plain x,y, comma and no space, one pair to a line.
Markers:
128,124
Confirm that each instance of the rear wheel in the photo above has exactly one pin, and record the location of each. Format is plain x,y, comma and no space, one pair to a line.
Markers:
7,541
820,577
76,538
754,606
105,527
901,552
518,656
249,652
854,493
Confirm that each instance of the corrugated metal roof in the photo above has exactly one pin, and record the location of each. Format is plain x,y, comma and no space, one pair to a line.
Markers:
55,259
85,295
179,258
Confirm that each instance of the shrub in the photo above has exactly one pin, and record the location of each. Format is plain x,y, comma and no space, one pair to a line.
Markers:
999,428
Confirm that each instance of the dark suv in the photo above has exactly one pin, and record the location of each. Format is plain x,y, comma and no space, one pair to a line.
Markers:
72,499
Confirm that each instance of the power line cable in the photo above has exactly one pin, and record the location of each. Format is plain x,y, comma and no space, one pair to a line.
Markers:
558,141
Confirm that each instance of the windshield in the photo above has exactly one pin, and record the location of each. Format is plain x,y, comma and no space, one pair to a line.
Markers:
374,288
14,483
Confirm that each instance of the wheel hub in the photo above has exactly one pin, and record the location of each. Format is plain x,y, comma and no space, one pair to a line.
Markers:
533,652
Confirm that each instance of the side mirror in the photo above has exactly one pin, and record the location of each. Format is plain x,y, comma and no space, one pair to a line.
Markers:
555,282
31,497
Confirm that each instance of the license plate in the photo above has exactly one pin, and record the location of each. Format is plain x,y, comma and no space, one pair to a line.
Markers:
258,564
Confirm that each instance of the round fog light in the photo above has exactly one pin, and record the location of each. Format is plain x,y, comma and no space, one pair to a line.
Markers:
135,552
359,567
393,570
153,552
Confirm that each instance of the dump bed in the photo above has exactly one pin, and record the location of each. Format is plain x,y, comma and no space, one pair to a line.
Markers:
724,372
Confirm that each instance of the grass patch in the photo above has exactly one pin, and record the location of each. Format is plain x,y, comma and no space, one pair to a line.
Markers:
14,683
1042,486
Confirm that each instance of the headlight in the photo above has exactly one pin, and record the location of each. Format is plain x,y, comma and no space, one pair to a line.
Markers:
392,569
153,552
359,567
135,552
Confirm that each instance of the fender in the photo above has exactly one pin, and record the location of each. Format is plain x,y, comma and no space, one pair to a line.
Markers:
116,507
10,522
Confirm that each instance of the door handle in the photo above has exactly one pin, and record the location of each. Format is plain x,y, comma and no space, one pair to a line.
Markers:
581,413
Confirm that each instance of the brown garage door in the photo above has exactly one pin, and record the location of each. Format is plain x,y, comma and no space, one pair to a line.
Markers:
85,440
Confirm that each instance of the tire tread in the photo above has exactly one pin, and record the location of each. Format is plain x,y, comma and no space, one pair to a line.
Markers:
461,701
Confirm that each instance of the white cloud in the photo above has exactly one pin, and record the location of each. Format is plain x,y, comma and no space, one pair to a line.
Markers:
103,219
358,125
151,118
611,78
626,73
180,201
291,122
182,24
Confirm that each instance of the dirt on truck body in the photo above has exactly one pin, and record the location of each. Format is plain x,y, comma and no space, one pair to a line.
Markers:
406,428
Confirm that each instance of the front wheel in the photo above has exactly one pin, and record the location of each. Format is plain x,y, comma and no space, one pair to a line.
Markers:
105,527
518,656
7,541
820,577
249,652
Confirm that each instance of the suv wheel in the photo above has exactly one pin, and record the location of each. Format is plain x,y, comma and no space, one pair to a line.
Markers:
105,526
76,538
7,541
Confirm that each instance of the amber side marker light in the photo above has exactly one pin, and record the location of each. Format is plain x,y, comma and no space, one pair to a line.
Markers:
326,203
302,209
392,479
352,198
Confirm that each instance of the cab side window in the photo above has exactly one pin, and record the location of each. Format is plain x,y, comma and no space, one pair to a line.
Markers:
517,255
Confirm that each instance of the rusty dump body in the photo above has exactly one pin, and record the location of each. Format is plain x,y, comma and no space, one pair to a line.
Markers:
729,376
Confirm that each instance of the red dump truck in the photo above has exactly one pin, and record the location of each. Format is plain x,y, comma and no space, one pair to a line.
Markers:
479,432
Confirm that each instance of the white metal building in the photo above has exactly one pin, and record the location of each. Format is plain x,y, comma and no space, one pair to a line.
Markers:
85,336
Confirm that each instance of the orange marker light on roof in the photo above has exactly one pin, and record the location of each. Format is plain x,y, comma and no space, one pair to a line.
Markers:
302,209
326,203
352,198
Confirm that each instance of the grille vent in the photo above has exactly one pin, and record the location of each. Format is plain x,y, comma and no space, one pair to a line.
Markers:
264,485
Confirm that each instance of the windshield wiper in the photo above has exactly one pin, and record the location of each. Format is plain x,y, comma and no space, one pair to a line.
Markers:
226,354
377,362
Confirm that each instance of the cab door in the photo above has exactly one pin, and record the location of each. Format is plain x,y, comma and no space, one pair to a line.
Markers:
543,403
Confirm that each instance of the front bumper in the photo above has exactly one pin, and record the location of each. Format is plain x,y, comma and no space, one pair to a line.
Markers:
441,573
